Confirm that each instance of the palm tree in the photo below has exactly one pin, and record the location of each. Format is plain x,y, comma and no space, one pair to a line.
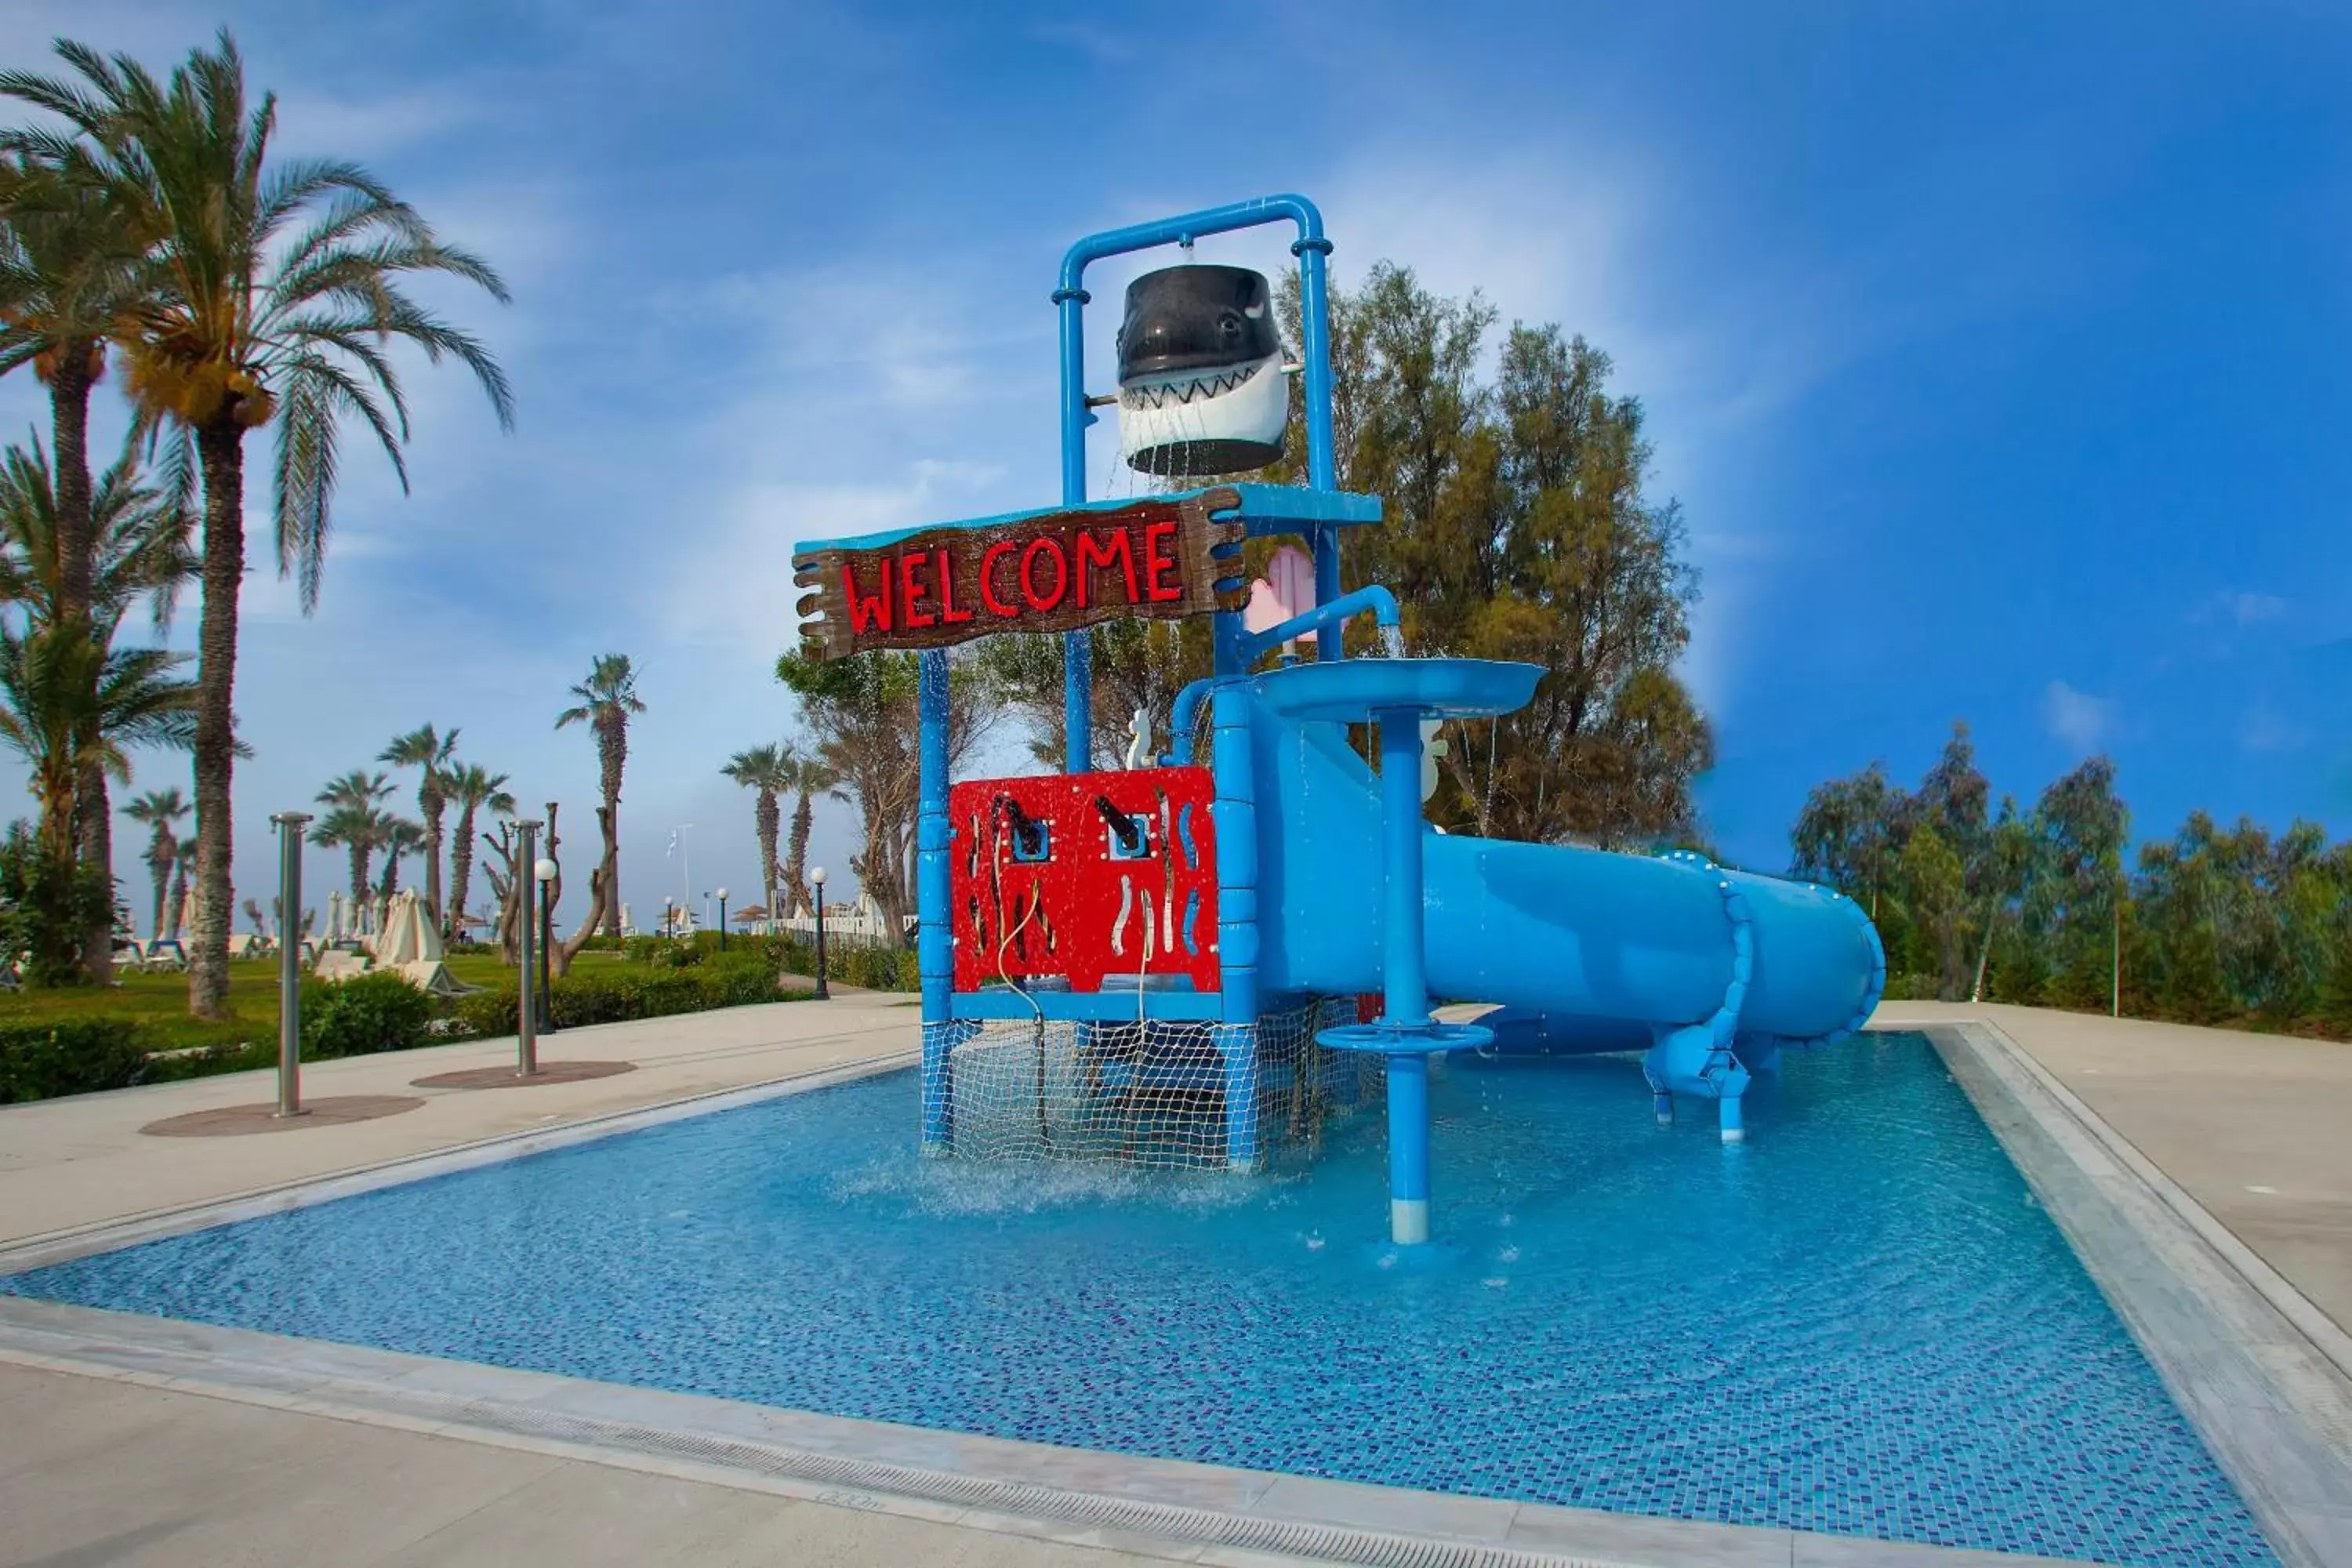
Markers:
65,707
159,810
354,820
183,862
431,755
762,769
398,837
807,776
472,786
607,700
268,293
70,269
136,546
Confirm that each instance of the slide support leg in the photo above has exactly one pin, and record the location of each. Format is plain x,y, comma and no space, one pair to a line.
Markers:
1664,1103
1727,1107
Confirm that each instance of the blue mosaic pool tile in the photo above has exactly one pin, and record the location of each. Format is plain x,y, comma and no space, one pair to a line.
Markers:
1859,1322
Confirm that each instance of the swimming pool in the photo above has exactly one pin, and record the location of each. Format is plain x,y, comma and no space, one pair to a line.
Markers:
1859,1322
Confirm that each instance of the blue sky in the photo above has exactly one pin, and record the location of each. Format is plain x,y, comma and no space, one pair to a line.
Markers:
1997,355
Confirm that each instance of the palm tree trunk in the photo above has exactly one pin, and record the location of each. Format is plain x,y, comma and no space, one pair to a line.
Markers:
160,855
97,810
358,878
613,744
69,434
765,818
220,446
461,869
796,861
179,895
433,864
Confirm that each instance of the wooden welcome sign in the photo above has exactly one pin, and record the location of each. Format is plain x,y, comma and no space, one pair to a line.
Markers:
1048,572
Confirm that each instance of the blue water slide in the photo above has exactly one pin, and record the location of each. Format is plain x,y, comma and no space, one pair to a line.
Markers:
1709,971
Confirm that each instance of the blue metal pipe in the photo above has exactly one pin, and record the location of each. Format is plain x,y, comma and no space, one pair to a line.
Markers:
1238,650
1214,220
1325,620
1078,653
1314,353
1404,982
934,961
1322,461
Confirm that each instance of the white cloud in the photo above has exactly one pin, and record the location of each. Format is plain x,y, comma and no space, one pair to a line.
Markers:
2266,731
2080,720
2238,607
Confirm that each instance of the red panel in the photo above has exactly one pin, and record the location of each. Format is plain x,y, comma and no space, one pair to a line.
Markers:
1080,913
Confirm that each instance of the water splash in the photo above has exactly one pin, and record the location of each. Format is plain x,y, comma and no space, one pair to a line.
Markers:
1392,642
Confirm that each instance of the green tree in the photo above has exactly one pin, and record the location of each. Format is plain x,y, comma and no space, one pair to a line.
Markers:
608,700
135,550
809,776
472,787
269,291
1518,527
864,712
430,754
1935,888
400,837
67,708
354,821
763,769
1849,835
160,810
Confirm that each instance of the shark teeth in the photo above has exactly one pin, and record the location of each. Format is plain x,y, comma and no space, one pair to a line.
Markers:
1159,395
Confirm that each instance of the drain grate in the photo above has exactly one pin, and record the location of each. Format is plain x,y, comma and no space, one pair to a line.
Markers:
1327,1544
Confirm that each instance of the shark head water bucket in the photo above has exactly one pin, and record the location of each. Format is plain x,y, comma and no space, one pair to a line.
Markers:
1201,389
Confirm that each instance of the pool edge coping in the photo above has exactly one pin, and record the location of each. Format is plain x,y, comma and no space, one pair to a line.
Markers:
2262,1374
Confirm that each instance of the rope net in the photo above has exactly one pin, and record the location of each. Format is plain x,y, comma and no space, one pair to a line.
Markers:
1169,1095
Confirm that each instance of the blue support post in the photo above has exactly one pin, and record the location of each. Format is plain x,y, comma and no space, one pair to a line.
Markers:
934,960
1727,1114
1408,1148
1405,983
1234,813
1078,653
1322,460
1664,1103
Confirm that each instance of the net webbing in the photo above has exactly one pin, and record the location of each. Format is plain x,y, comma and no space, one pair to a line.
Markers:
1153,1093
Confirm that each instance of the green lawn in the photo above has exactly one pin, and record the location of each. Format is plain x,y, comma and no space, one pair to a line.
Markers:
159,1003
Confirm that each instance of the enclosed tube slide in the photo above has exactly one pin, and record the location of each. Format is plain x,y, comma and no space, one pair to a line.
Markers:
1709,971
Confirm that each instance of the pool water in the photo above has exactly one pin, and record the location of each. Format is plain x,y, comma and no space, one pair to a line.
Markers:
1857,1322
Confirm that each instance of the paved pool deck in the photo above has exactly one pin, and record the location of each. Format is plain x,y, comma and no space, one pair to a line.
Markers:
130,1460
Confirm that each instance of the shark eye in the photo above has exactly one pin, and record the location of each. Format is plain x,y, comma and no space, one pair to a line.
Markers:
1229,323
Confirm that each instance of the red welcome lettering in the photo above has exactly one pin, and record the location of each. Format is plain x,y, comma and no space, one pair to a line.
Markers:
1094,553
1157,561
866,612
911,589
1053,550
996,606
948,611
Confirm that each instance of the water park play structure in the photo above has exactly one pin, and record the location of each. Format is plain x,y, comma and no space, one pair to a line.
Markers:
1175,962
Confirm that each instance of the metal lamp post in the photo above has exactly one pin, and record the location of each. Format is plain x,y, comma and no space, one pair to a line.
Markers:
817,878
668,929
722,919
289,965
525,998
543,870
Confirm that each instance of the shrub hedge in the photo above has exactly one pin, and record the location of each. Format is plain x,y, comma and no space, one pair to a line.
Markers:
363,1015
42,1061
658,989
